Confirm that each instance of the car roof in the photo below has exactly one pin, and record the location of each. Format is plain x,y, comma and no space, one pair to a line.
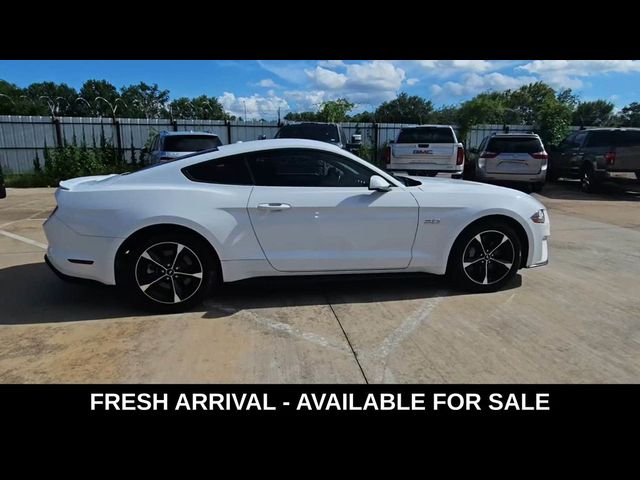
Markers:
427,125
606,129
515,134
185,133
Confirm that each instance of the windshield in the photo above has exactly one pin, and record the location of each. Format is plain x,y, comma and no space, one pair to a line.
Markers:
426,135
190,143
514,145
323,133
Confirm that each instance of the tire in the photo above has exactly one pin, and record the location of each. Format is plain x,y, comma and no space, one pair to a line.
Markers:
552,175
638,174
432,174
537,187
479,262
174,286
589,181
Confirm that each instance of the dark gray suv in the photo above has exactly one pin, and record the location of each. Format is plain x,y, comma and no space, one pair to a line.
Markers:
593,154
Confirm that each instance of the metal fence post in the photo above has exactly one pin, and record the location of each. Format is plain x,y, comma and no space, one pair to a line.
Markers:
58,130
174,125
116,124
228,122
374,127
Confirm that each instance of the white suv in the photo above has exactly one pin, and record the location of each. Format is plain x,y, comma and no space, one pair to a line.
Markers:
426,150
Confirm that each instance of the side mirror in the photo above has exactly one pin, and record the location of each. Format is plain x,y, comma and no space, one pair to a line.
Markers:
376,182
356,138
262,137
391,141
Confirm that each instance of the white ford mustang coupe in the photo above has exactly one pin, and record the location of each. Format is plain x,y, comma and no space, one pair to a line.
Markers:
168,233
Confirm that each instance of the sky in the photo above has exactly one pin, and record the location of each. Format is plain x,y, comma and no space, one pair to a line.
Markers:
257,88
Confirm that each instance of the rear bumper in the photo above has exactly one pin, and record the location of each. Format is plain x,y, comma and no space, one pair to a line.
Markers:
513,177
424,167
80,256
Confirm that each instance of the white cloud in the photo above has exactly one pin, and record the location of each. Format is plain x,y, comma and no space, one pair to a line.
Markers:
306,100
474,83
581,68
267,83
565,73
332,64
446,68
412,81
256,106
325,78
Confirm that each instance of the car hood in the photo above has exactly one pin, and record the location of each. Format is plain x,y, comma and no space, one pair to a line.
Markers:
470,194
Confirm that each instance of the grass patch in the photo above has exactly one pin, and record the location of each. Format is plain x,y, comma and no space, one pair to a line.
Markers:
28,180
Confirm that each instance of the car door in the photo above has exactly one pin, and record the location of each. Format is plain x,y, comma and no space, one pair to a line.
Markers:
627,151
312,210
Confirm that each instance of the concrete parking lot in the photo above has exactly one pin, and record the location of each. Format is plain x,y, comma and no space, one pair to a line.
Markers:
576,320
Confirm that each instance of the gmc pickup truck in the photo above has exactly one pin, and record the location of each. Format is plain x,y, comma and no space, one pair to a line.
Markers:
425,150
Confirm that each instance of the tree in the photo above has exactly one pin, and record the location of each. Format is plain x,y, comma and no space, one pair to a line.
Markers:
59,98
143,101
488,107
207,108
334,111
362,117
181,108
595,113
447,115
90,90
630,115
528,100
302,117
405,109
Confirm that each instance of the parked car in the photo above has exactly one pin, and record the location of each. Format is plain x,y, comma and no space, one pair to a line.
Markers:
509,157
331,133
170,145
425,150
3,190
593,154
285,207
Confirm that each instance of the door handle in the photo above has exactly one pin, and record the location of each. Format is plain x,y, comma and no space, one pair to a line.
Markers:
274,207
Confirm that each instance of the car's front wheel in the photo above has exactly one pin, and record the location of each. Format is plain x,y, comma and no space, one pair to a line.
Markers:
485,257
169,272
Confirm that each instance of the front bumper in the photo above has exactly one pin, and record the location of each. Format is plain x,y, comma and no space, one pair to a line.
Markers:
80,256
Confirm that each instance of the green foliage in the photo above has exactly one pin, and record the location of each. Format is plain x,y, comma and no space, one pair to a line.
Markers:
405,109
630,115
596,113
37,167
303,117
334,111
28,180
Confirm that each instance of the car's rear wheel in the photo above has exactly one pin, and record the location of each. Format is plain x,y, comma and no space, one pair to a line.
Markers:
589,181
169,272
485,257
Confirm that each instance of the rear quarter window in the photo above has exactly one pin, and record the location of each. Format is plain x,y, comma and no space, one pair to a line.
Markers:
515,145
628,138
426,135
230,170
599,139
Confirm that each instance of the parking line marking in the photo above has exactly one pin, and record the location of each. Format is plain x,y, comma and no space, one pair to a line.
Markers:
20,238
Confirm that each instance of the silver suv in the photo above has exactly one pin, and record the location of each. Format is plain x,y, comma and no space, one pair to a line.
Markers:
167,146
509,157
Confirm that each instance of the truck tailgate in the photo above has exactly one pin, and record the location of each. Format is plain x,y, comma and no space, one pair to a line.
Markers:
433,153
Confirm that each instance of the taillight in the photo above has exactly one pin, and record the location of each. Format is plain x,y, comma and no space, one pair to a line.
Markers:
460,157
540,155
387,154
488,155
610,158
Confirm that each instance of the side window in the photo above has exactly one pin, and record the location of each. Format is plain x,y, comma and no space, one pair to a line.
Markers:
345,140
578,139
568,142
483,144
628,138
231,170
600,138
295,167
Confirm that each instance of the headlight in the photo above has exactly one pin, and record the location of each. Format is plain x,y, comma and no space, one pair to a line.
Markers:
539,216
